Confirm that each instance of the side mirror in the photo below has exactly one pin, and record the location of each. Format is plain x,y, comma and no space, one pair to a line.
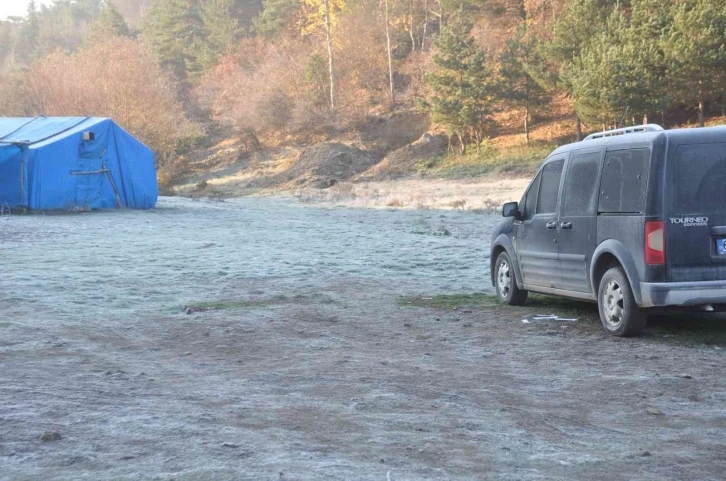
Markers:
510,209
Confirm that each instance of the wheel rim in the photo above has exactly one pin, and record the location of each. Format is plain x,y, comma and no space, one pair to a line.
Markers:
504,279
612,304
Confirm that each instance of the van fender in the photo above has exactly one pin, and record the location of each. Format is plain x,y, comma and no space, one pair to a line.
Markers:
621,253
505,241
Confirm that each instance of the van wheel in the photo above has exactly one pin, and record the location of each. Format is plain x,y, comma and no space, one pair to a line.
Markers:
506,283
619,314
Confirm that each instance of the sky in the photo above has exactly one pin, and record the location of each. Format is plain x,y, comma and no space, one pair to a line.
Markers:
9,8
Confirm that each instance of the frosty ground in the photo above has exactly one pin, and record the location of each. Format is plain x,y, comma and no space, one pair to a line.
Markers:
326,343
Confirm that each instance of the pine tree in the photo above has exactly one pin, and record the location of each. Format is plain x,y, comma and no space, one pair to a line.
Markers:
175,31
111,22
578,22
644,62
464,91
697,51
275,15
602,73
522,75
27,46
620,71
221,29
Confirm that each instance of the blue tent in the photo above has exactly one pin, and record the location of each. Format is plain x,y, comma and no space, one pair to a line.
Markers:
73,162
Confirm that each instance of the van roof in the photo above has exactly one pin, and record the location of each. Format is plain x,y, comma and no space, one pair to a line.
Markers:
678,136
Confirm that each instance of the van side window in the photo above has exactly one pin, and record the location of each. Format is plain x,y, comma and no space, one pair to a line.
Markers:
624,180
580,197
530,199
549,187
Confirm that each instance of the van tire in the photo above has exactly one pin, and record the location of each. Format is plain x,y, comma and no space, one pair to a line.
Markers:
619,313
505,282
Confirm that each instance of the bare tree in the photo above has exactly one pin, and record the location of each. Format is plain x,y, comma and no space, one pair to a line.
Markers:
388,50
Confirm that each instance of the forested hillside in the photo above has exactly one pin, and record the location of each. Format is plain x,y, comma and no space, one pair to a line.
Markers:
175,72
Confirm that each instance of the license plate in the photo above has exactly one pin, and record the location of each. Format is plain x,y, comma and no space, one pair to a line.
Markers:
721,246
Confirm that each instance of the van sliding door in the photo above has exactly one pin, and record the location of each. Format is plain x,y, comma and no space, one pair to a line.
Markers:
536,246
578,219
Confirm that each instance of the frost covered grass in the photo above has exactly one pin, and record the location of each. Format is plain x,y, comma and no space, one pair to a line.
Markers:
187,252
302,356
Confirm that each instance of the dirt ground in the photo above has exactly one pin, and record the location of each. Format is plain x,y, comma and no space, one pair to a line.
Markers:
326,344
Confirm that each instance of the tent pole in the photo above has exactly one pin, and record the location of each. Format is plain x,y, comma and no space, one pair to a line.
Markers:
113,184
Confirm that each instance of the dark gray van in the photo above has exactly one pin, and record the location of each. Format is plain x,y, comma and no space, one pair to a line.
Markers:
631,218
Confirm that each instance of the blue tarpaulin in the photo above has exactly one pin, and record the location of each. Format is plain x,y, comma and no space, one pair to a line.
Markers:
45,164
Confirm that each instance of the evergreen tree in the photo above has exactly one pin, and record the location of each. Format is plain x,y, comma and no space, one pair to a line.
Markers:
697,51
578,22
522,74
221,29
175,32
27,45
620,71
607,79
464,91
275,15
111,22
644,61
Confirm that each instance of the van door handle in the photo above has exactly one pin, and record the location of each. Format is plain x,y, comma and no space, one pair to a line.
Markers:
551,225
566,225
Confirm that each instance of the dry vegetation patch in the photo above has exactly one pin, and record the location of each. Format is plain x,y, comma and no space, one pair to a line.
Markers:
449,194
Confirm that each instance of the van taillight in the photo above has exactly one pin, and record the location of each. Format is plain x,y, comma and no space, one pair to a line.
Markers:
655,243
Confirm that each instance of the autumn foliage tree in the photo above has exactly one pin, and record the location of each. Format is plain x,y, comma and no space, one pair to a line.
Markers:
111,77
305,70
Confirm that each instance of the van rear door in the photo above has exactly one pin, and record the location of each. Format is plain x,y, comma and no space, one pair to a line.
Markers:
696,221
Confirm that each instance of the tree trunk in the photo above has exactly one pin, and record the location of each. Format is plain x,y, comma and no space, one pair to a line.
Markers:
426,23
645,119
662,118
701,117
526,124
441,16
410,29
331,64
390,57
578,128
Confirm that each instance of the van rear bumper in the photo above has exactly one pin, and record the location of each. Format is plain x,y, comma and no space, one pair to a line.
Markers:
682,293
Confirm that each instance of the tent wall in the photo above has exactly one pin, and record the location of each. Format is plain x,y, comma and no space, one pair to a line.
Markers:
12,176
62,171
135,170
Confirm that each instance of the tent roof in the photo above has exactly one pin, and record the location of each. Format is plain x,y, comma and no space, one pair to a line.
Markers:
28,130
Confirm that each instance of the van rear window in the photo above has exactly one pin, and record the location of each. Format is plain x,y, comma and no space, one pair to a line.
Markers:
700,178
624,181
